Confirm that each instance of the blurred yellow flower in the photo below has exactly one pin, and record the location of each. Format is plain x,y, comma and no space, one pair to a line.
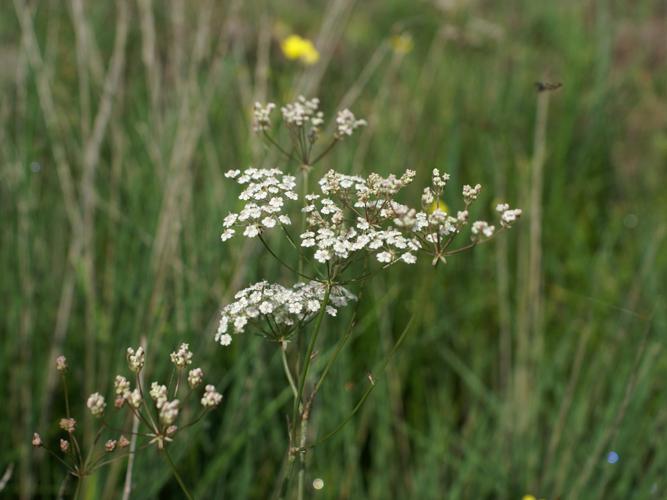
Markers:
402,44
442,206
530,497
295,47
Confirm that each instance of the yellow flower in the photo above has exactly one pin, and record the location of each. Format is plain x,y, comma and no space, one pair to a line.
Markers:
529,497
295,47
442,206
402,44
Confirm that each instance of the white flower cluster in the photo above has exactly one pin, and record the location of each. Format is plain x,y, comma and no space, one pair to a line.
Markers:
262,116
347,123
96,404
265,196
276,310
182,357
302,112
507,216
358,214
211,397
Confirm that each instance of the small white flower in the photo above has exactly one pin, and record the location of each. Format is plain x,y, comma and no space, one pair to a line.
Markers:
408,258
225,339
251,231
384,257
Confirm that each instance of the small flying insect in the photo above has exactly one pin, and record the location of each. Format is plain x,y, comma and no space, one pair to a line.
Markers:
547,87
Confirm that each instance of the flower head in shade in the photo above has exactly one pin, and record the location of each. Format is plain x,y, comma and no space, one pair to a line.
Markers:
61,363
67,424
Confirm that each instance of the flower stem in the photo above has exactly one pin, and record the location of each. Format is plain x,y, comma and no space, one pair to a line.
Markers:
288,372
177,475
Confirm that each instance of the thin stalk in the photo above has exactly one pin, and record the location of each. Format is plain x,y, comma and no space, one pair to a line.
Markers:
176,474
309,353
368,391
288,372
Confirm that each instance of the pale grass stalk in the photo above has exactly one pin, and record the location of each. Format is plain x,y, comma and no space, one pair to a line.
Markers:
90,160
79,22
377,108
333,27
9,472
632,302
529,335
25,395
150,57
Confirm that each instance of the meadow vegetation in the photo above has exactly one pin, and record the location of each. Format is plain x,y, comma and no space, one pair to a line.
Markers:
531,365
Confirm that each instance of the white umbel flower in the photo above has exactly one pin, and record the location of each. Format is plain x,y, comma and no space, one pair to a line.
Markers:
264,304
265,195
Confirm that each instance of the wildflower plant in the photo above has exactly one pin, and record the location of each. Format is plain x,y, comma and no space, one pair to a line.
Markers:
162,412
342,230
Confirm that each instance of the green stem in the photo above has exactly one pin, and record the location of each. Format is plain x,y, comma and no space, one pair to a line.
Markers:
309,354
176,474
288,372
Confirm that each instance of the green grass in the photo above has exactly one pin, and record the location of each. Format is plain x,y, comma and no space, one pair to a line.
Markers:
481,401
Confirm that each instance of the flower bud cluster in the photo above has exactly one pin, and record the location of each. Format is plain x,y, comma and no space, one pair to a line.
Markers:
182,357
347,123
262,116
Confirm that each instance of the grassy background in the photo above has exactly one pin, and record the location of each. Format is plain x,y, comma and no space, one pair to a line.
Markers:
531,358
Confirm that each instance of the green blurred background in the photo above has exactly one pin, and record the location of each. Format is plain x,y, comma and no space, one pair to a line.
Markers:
531,359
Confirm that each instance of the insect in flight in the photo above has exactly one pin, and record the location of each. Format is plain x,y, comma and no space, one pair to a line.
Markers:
547,87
